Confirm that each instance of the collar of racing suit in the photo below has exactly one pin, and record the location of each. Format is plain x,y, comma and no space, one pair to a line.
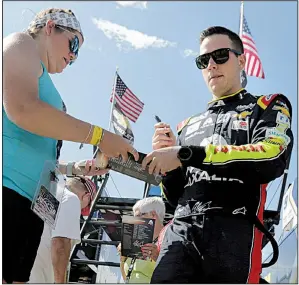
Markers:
228,98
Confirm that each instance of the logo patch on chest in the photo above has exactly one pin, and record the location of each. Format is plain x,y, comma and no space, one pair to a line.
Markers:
240,125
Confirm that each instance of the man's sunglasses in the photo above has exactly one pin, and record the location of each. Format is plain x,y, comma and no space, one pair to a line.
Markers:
220,56
74,44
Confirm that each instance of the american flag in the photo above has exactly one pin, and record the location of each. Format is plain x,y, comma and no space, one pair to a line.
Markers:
253,65
130,105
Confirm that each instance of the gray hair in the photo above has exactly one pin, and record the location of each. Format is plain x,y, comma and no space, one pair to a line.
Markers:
149,204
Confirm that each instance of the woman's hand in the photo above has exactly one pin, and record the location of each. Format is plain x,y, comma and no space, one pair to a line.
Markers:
113,145
150,250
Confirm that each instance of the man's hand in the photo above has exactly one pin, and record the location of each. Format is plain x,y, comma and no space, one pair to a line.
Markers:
89,168
162,160
150,250
160,139
113,145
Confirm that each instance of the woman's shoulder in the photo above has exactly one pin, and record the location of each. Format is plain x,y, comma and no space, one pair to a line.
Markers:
19,45
20,50
17,40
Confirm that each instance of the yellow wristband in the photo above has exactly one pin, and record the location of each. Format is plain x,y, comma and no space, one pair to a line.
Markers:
96,135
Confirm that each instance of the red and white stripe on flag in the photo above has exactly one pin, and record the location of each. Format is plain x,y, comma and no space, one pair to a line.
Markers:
253,65
130,105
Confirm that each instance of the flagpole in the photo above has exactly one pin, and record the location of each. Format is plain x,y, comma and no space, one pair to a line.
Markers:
241,18
95,149
113,99
243,75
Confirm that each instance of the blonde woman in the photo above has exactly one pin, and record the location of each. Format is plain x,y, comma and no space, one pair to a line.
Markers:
34,125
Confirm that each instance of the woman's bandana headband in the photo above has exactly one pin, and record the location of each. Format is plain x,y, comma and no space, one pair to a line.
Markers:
59,18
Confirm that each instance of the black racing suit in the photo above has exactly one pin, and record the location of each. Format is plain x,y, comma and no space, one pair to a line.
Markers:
240,144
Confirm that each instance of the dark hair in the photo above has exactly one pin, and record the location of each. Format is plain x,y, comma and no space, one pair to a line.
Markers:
217,30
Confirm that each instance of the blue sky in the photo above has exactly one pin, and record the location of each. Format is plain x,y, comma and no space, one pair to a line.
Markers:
154,45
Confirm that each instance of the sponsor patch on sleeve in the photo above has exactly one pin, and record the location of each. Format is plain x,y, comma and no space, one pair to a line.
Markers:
274,133
282,110
283,119
264,101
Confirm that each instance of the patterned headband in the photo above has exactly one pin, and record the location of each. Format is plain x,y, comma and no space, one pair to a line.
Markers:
59,18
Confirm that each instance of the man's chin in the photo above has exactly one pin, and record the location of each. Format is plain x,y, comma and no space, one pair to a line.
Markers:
216,90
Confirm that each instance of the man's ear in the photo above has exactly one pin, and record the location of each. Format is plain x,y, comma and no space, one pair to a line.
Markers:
50,25
242,61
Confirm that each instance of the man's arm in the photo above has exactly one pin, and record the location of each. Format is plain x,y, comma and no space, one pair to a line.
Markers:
261,161
60,252
172,186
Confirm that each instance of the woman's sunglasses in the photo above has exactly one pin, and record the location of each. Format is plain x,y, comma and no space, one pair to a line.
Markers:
74,44
220,56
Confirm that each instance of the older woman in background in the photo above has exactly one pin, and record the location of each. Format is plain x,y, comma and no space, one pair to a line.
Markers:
142,270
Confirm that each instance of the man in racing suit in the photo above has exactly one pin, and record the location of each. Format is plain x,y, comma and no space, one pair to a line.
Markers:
218,174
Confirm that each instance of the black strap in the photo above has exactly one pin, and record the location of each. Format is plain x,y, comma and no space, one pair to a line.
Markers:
130,269
132,264
250,217
273,242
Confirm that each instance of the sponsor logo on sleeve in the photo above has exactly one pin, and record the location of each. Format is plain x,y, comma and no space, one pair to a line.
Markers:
264,101
283,119
282,110
275,133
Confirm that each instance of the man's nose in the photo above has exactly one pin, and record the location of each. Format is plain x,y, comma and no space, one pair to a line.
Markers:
212,64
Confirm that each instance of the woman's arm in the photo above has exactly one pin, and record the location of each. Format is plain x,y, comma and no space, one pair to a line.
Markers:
21,70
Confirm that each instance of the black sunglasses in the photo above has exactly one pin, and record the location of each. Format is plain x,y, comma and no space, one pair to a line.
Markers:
74,44
220,56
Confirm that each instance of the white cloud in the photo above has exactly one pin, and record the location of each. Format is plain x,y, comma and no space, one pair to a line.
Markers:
190,52
127,38
134,4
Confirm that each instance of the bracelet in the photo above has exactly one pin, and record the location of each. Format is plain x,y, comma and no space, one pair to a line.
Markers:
85,141
96,135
